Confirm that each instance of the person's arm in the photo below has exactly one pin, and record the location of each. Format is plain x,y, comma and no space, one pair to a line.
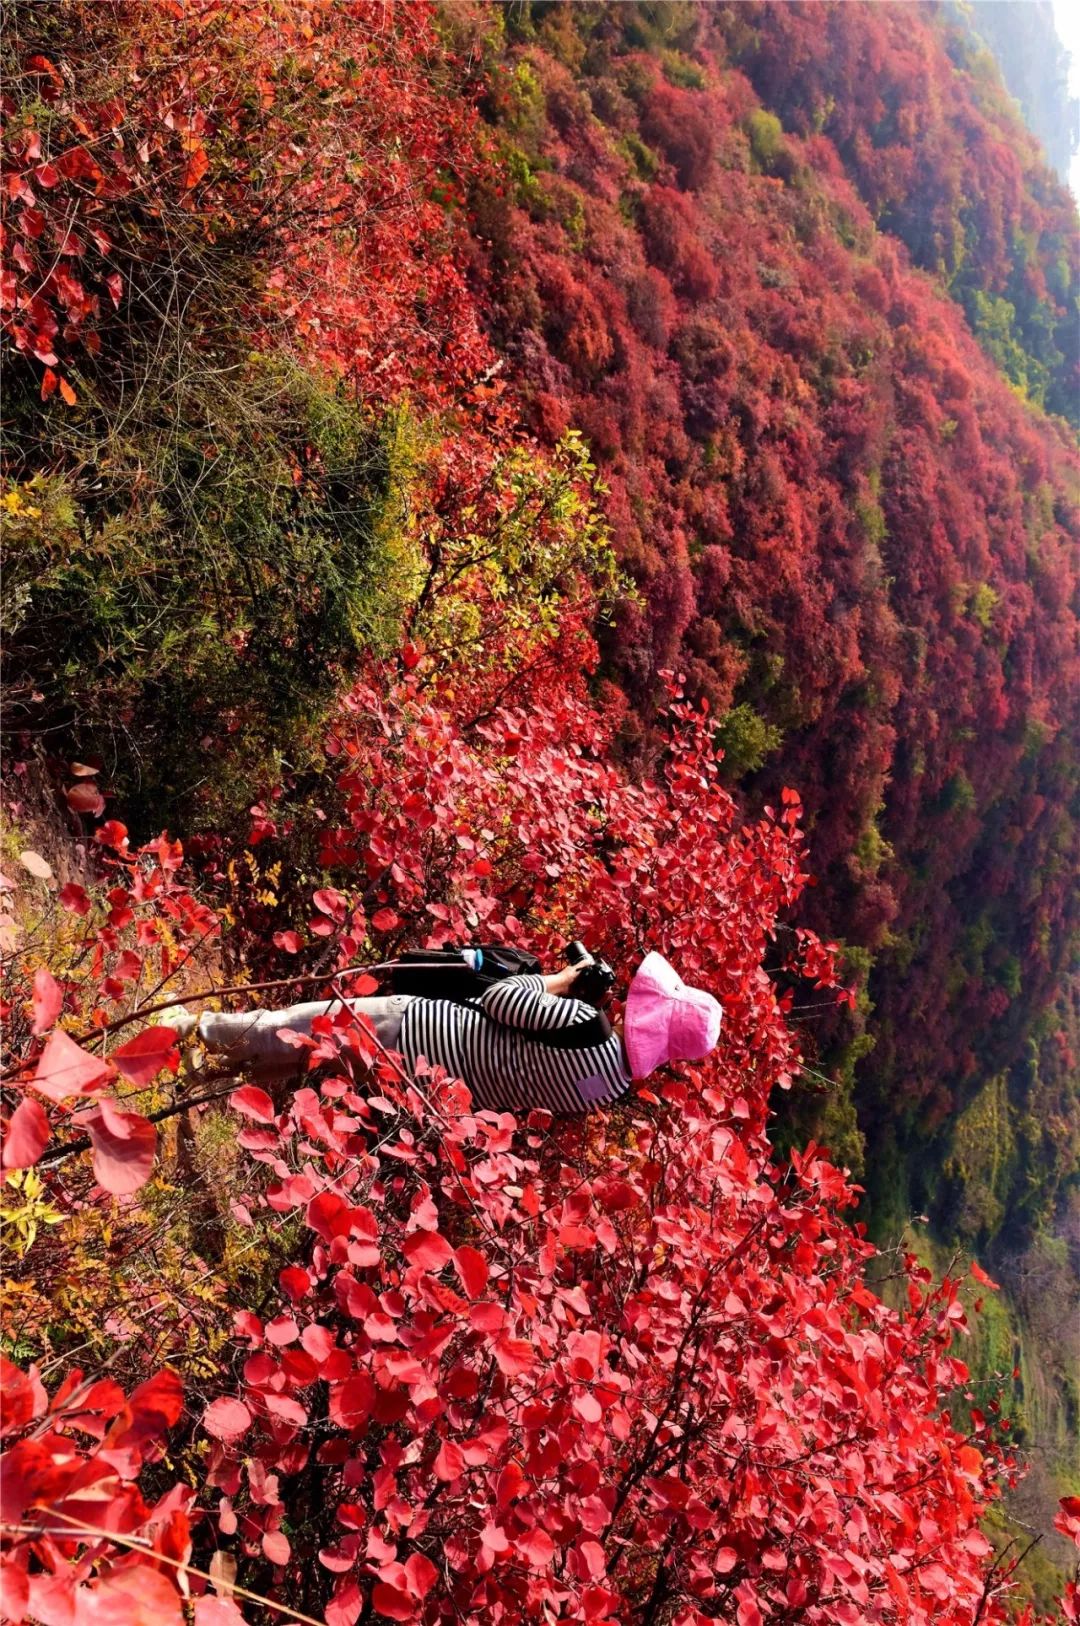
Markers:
562,982
535,1004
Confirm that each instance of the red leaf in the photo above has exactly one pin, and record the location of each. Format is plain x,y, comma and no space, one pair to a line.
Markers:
352,1402
217,1612
427,1249
420,1574
281,1331
593,1555
75,898
49,382
328,901
48,1000
139,1596
17,1395
289,941
154,1407
253,1103
276,1547
14,1591
748,1613
345,1605
385,920
194,170
112,834
487,1317
226,1419
68,394
41,64
31,1474
587,1406
287,1409
494,1538
329,1214
1067,1518
295,1282
617,1195
450,1462
361,987
980,1275
66,1069
538,1548
83,797
472,1269
387,1600
514,1356
142,1058
26,1136
124,1146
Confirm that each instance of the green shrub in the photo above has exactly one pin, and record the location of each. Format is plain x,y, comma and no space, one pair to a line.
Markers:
994,323
492,581
746,739
984,601
181,597
766,138
681,70
957,795
642,157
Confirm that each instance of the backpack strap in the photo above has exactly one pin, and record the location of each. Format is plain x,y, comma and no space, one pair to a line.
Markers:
588,1035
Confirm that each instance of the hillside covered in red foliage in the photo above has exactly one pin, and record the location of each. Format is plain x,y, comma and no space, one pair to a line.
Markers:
519,471
737,253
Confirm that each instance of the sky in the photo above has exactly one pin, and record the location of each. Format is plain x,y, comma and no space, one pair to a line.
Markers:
1067,22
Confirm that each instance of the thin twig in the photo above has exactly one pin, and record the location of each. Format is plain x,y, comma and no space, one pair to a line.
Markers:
75,1527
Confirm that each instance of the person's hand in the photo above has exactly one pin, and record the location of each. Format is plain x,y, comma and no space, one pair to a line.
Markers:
562,982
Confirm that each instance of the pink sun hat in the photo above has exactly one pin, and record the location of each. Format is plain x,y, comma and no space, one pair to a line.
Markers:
665,1019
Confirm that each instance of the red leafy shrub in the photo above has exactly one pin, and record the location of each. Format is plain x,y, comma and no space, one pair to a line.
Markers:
682,127
622,1370
673,244
464,819
81,1543
307,162
113,950
586,1372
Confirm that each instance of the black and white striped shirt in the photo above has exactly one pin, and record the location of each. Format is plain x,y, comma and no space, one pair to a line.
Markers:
492,1052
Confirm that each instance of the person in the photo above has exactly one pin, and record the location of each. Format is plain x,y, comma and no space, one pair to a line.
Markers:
515,1045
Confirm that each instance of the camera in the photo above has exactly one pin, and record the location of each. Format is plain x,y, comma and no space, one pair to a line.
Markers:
595,980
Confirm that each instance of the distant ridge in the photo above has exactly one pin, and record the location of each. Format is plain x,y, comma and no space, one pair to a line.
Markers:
1035,67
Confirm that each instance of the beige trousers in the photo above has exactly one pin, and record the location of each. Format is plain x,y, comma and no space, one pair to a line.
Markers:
250,1038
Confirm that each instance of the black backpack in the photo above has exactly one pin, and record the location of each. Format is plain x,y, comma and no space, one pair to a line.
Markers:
448,974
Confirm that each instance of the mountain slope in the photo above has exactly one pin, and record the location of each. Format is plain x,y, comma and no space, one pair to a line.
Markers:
920,118
844,525
308,309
